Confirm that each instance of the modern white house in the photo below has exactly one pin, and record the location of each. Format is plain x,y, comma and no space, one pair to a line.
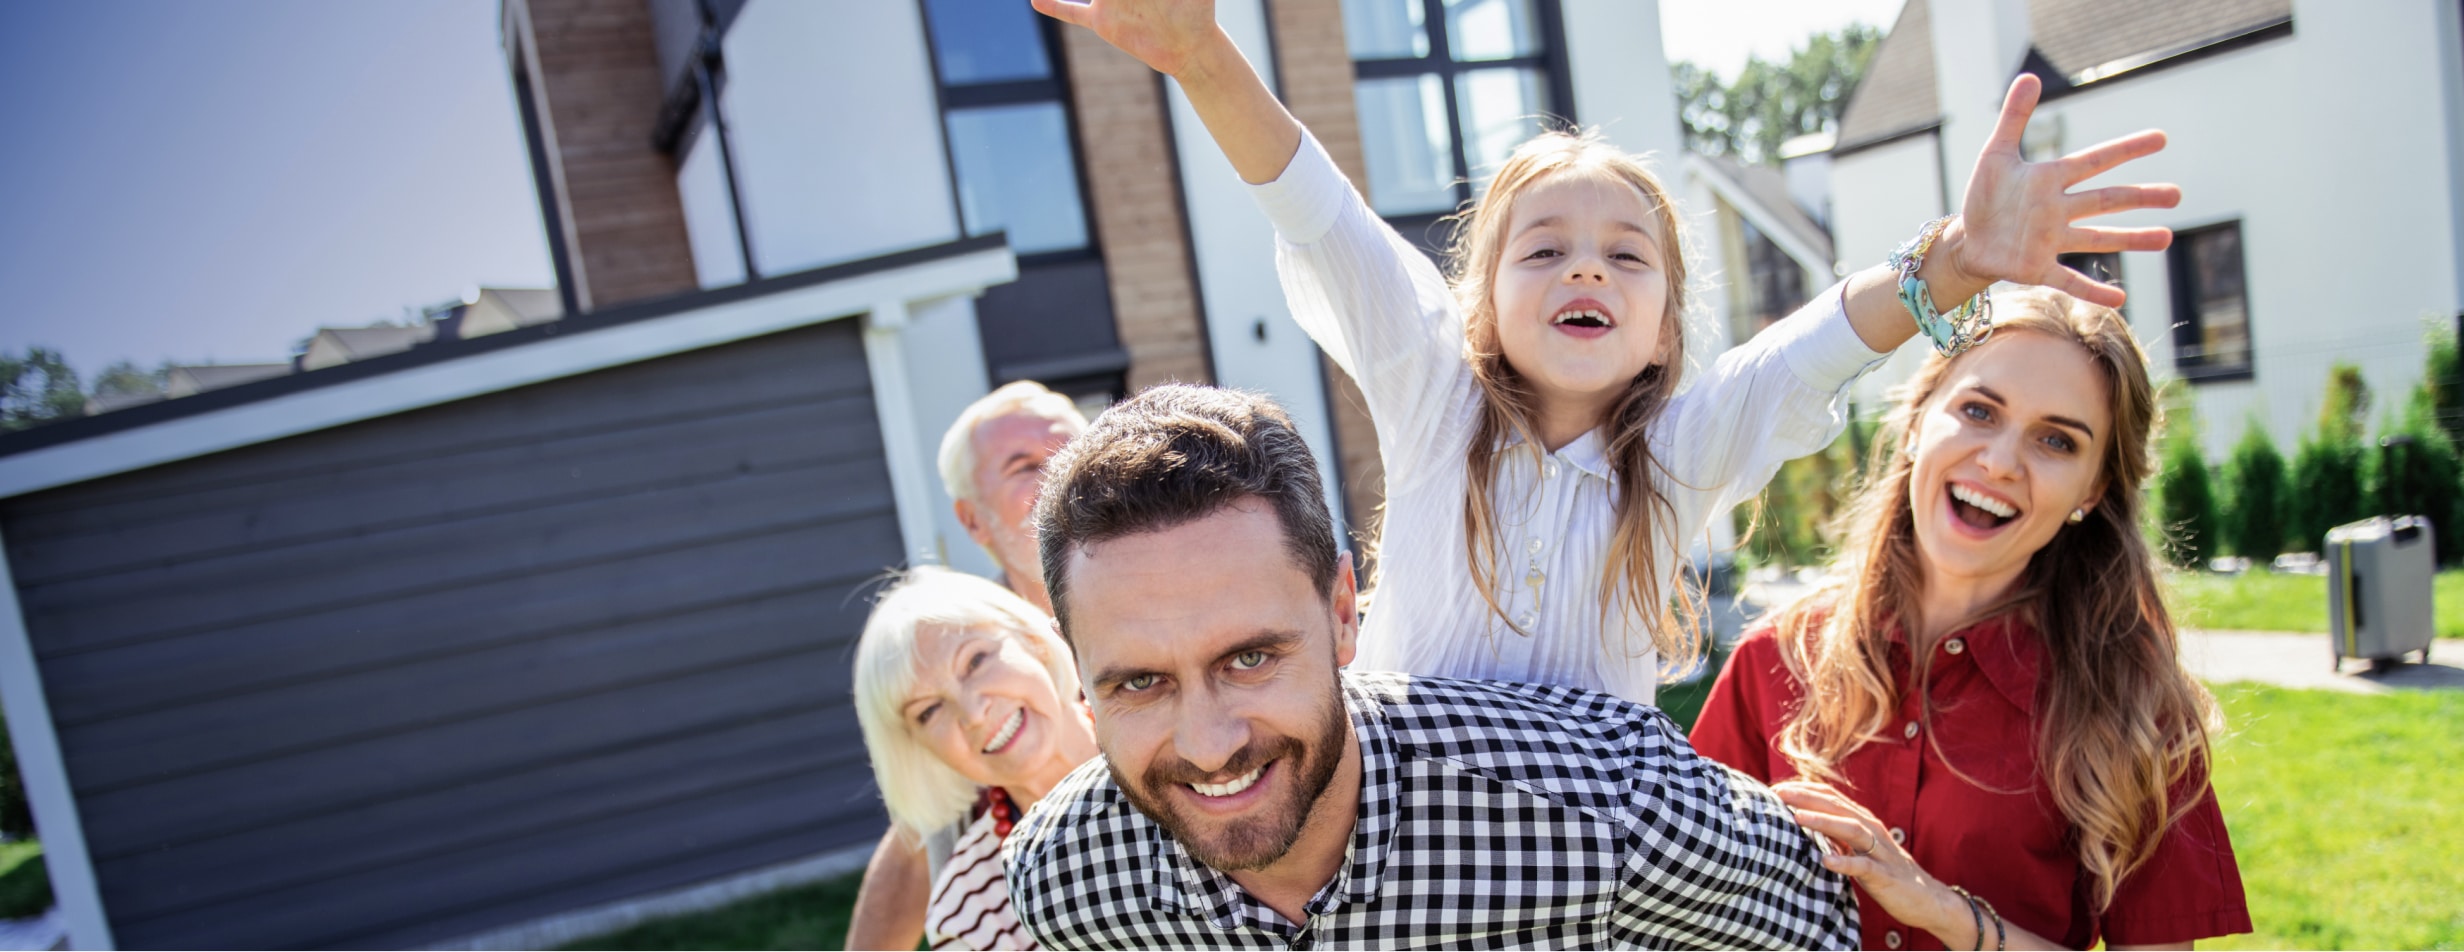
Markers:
2319,146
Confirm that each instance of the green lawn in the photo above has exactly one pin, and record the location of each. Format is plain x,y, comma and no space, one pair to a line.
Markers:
2266,601
2345,817
2344,812
806,917
25,886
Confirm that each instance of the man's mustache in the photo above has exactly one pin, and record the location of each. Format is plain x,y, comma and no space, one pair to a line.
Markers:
1251,756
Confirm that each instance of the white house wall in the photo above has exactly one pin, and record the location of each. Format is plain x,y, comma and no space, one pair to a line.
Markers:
945,360
1621,79
835,132
1234,245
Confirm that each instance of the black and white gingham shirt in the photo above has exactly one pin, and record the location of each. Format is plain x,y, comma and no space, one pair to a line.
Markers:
1492,815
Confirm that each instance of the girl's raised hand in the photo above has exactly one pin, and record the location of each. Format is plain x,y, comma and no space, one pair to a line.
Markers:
1166,35
2018,216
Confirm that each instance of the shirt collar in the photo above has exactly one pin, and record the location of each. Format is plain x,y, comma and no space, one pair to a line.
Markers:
1588,453
2004,647
1197,889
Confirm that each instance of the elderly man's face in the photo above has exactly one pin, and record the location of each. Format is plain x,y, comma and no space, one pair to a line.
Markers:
1210,662
1010,451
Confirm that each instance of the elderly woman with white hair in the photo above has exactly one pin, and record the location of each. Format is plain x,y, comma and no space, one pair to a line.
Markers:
970,709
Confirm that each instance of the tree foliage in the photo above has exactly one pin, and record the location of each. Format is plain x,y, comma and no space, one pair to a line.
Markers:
2329,487
126,379
1771,103
2254,510
2185,499
38,387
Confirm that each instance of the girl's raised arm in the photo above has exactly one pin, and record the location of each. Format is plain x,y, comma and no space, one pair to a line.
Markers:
2015,223
1179,38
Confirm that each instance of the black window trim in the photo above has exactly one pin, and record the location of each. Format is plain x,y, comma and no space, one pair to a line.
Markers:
1054,88
2179,270
1550,61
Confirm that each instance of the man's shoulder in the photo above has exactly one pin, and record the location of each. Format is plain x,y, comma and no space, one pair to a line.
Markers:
1074,855
1583,748
1082,811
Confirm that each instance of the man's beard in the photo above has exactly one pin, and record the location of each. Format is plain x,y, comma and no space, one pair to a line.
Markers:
1253,842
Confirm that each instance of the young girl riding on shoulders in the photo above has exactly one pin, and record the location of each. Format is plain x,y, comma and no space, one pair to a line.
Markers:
1544,473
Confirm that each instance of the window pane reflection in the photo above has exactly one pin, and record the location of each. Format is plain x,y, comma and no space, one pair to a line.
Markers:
1385,29
1403,136
985,41
1015,172
1501,108
1491,29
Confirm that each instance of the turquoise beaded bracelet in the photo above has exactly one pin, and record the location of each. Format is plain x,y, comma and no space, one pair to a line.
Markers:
1966,325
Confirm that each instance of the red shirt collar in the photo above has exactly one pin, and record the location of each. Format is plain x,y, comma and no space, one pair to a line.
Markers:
2007,649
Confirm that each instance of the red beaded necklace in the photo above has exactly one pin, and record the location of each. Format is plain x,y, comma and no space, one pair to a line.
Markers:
1005,813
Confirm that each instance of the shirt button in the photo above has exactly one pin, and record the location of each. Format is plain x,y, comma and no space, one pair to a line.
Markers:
1549,471
1534,545
1899,836
1910,733
1891,938
1954,646
1527,620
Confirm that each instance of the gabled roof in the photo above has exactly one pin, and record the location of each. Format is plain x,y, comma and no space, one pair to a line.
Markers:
1897,95
2076,42
203,377
1761,195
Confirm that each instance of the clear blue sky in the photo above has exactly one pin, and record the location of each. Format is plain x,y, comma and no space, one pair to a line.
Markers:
215,180
197,181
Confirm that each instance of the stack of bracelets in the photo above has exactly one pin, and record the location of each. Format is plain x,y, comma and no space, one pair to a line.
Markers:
1966,325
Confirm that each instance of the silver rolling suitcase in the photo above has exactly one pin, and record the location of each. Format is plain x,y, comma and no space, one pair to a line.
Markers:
2378,589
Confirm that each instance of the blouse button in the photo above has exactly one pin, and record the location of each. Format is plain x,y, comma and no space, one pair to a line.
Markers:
1526,621
1534,545
1899,836
1891,938
1954,646
1549,471
1910,733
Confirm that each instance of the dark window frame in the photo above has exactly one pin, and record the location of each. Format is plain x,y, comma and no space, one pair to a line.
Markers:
2182,273
1055,88
1559,111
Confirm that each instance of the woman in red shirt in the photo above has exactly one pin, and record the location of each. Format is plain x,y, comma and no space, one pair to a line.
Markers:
1987,700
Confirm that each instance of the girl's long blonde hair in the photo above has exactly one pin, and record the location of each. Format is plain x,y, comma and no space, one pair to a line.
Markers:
1630,577
2120,724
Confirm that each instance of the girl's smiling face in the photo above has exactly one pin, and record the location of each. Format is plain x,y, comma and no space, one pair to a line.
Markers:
1581,291
2012,441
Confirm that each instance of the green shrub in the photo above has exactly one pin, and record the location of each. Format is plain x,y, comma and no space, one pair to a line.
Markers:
2254,508
2185,502
16,819
2416,472
2329,486
1790,522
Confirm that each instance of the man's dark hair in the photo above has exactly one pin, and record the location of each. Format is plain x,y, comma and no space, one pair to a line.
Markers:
1173,455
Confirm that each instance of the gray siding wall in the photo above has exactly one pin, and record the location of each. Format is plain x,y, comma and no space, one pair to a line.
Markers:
462,667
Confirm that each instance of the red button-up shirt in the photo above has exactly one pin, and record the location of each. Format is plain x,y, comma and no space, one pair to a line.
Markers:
2010,848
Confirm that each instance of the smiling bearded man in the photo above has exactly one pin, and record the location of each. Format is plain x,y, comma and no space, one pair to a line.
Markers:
1253,794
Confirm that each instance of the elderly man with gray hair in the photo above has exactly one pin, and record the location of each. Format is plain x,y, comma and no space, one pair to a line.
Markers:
992,465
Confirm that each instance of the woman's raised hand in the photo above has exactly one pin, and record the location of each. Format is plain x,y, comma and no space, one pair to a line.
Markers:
1167,35
2019,216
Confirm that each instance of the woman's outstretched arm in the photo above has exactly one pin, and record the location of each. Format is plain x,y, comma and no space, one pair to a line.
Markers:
1179,38
2016,221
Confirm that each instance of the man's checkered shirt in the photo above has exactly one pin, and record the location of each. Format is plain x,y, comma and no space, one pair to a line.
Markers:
1492,815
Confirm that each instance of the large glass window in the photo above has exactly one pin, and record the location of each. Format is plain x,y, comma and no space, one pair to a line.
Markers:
2211,312
1446,89
1006,115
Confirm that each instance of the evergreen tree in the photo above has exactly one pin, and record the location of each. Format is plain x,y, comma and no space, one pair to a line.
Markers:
2185,500
38,388
2254,511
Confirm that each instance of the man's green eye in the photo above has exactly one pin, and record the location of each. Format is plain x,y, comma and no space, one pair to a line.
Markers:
1248,659
1139,683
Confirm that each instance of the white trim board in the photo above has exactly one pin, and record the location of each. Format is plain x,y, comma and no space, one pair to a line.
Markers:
449,380
45,776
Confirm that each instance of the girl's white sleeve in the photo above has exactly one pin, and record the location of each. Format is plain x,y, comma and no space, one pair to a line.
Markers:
1769,400
1375,303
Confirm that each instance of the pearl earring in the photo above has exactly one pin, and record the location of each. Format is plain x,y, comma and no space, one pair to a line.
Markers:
2078,516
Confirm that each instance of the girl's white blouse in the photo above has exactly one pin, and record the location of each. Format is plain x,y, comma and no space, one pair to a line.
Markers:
1384,314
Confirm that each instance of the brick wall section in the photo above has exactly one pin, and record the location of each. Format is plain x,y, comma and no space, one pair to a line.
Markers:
1127,152
1315,78
597,76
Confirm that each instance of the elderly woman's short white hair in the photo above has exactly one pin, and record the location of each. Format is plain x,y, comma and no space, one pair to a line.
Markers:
922,793
958,444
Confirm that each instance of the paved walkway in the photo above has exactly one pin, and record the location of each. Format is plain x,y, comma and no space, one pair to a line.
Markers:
2300,660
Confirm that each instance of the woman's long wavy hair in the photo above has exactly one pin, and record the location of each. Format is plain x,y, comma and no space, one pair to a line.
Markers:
2120,724
1630,577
